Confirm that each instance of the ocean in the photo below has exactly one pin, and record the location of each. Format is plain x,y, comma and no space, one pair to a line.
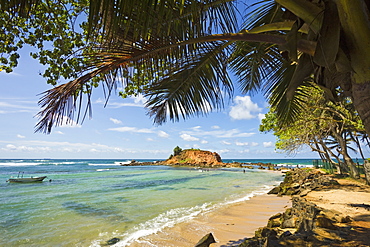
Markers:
87,202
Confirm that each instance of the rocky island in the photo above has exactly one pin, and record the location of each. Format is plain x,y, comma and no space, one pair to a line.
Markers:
194,157
200,158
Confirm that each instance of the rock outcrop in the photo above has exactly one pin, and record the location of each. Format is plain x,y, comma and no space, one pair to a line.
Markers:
195,157
302,181
305,223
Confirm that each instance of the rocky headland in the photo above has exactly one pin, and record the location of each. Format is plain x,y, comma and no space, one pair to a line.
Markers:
202,159
195,157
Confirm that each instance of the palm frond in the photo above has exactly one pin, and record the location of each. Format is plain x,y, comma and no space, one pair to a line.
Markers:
18,7
194,88
147,35
64,100
264,12
254,64
287,110
145,19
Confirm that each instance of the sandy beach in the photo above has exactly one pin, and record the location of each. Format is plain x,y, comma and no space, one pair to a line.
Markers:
230,225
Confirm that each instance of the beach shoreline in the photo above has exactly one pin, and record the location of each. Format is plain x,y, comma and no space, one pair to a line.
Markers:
345,203
230,225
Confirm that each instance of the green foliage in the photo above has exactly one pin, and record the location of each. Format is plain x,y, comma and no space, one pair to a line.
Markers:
177,150
184,161
329,128
178,54
54,29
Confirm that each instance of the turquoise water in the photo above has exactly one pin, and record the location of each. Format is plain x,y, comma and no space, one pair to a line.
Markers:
88,202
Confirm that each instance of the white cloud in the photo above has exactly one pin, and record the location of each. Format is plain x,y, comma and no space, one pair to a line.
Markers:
261,116
189,138
215,127
48,147
20,136
149,139
115,121
226,143
11,147
233,133
243,108
131,129
220,133
222,151
18,105
140,99
254,144
24,148
195,128
268,144
119,105
241,143
203,141
162,134
59,132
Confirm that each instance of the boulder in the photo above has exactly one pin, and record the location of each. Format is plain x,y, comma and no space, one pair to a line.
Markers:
206,241
113,241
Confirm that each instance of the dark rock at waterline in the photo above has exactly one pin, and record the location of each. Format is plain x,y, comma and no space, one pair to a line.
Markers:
137,163
113,241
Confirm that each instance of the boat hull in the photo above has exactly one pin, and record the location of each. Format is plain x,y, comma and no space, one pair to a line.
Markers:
26,180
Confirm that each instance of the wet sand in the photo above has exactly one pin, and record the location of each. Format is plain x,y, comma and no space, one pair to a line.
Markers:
229,225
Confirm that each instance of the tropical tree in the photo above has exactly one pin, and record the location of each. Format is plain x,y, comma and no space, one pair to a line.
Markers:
177,150
326,127
191,44
54,43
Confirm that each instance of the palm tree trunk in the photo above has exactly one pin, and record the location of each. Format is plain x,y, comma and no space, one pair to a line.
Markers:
354,18
361,101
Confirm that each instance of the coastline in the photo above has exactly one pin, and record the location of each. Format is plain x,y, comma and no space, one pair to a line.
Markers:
334,212
230,225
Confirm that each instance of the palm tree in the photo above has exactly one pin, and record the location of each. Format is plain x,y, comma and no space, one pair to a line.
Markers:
188,46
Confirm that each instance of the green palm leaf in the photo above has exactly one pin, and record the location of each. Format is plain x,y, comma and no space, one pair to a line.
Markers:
195,88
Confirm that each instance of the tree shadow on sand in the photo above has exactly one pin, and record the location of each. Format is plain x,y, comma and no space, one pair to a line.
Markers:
232,243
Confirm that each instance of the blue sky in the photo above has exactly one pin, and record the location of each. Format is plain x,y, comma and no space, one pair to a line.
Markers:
122,130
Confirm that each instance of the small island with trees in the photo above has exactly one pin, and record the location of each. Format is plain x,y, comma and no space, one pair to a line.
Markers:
193,157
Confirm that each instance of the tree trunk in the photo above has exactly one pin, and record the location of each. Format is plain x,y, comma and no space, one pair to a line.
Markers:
352,166
328,151
361,101
354,18
347,159
367,171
